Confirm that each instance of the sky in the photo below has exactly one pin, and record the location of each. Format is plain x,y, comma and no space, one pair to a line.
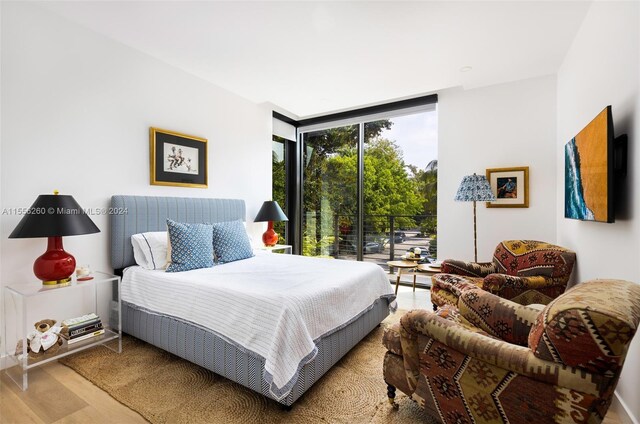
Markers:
417,136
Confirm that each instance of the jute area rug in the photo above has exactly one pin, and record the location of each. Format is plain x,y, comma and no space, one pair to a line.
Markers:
166,389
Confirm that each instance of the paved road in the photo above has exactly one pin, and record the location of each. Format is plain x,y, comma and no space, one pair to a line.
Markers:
411,240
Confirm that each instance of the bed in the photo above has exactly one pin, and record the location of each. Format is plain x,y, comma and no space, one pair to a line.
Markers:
281,356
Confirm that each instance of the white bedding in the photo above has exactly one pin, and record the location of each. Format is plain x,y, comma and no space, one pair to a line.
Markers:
273,305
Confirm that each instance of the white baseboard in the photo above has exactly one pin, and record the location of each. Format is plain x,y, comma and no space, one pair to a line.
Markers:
620,407
3,361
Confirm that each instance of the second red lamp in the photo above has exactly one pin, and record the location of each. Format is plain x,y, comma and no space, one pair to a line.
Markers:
270,212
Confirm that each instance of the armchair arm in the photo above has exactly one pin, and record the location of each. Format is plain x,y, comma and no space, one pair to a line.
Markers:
517,359
469,269
496,282
499,317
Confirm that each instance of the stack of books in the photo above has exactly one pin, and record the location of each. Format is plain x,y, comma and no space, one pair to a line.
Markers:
81,328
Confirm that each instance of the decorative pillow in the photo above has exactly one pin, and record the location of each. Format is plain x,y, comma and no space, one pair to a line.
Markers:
231,242
150,249
191,246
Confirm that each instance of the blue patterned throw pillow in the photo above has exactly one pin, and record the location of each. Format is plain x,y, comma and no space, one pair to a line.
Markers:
231,242
190,246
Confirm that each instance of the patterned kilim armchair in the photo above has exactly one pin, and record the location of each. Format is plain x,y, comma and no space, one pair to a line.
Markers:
493,360
523,271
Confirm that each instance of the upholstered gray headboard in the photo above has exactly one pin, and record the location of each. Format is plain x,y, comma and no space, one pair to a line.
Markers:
138,214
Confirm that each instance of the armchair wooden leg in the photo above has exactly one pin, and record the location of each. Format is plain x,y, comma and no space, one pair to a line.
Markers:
391,393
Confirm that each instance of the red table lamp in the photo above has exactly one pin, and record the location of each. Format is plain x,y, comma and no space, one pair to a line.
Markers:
54,216
270,211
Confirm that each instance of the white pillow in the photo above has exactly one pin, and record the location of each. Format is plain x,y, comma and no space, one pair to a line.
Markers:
150,249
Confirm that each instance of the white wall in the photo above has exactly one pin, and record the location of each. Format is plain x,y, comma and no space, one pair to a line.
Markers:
1,97
76,112
506,125
600,69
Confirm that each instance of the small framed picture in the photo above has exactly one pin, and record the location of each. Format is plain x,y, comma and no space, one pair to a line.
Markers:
510,186
178,159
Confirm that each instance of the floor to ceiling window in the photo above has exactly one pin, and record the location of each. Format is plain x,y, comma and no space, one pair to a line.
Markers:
283,175
400,186
382,172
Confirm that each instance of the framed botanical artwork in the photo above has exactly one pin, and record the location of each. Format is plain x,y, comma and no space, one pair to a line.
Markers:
510,186
178,159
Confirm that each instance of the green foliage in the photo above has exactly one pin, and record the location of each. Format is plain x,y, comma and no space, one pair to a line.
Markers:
388,189
316,247
327,142
429,226
391,187
433,247
426,181
320,148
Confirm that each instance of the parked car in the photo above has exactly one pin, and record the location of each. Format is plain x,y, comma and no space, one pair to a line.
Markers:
346,247
372,247
399,237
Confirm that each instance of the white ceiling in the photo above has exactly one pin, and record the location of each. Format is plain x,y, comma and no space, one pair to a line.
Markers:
311,58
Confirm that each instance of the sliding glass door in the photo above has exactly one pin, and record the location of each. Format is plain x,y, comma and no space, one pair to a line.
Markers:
369,190
329,192
400,186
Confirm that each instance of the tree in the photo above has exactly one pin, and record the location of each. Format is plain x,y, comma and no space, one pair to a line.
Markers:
388,189
319,200
426,181
328,142
330,163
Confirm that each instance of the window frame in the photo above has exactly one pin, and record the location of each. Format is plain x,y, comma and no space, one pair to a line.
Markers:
294,169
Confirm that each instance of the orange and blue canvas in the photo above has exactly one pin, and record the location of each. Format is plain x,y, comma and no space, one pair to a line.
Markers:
586,172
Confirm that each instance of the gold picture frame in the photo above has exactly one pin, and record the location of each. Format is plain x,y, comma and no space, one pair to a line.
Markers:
510,186
177,159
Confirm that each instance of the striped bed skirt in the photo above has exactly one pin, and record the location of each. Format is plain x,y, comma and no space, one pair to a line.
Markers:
206,349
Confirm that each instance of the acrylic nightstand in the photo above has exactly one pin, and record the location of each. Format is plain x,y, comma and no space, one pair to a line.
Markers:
278,248
28,303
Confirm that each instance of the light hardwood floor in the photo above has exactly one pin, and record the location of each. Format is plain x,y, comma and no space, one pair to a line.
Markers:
59,395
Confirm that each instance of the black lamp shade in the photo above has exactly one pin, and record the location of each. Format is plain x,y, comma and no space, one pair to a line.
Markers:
53,215
270,211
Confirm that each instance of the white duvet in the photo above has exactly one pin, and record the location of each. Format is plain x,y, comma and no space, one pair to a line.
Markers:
273,305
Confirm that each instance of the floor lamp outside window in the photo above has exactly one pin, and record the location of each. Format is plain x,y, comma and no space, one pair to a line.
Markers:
475,188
